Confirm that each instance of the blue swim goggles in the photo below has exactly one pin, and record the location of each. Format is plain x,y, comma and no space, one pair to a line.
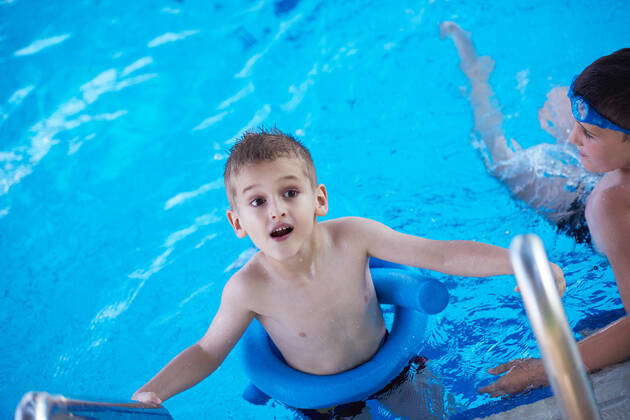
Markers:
585,113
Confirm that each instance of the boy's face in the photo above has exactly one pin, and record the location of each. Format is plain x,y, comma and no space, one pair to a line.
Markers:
601,149
276,206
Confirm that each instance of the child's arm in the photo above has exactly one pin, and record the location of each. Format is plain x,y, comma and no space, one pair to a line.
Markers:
606,347
456,257
611,230
204,357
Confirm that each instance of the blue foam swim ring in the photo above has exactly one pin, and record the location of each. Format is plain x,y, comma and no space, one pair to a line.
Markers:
413,295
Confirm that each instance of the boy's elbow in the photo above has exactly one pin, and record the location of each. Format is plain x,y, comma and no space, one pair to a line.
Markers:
209,355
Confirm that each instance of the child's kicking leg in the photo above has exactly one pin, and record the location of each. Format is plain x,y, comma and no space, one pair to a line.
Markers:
546,176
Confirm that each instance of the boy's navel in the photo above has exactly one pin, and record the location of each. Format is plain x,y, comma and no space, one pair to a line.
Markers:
302,334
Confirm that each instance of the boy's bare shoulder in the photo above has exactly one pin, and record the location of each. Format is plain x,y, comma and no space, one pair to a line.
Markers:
347,223
352,225
608,216
613,201
247,280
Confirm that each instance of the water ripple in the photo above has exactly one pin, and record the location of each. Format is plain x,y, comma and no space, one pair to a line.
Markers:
170,37
40,44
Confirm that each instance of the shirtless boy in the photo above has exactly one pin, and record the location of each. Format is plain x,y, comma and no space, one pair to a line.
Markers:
309,284
598,106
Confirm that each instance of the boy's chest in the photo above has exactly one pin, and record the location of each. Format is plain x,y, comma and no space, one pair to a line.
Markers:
332,294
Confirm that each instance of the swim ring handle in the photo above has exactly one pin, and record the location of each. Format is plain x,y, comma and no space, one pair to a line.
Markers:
407,289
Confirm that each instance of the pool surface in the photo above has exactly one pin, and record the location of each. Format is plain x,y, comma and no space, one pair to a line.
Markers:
115,119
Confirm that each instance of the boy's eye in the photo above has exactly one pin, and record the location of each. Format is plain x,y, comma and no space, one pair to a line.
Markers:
256,202
587,134
290,193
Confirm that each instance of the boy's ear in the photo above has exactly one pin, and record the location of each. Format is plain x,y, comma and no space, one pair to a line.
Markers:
321,195
236,223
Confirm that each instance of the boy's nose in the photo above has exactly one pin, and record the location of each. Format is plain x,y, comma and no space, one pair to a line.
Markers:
276,210
573,135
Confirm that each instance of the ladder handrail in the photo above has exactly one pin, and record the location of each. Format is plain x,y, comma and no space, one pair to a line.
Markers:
37,405
561,358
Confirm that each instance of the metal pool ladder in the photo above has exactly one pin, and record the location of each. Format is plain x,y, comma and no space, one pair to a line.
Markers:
561,358
43,406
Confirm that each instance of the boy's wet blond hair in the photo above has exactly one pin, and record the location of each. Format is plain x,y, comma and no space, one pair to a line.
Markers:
262,145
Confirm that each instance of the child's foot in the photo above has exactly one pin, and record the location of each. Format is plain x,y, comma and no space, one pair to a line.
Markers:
448,28
476,68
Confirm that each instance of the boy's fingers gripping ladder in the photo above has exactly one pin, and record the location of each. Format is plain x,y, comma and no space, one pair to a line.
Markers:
561,358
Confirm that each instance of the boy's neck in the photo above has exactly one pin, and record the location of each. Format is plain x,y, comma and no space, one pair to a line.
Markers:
303,264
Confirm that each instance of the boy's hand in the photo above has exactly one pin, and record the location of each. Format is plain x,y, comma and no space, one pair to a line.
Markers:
522,374
558,276
149,398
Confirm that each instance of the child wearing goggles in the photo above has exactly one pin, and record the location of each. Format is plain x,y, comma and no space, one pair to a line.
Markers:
590,202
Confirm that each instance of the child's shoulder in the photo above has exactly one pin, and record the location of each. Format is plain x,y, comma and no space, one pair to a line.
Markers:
352,224
608,213
345,226
613,197
347,222
247,277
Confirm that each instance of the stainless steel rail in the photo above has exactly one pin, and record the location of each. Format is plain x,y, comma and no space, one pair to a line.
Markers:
561,358
43,406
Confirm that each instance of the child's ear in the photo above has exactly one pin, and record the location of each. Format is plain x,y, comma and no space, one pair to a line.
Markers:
236,223
321,195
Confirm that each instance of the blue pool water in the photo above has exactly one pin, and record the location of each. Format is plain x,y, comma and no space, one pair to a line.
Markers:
115,118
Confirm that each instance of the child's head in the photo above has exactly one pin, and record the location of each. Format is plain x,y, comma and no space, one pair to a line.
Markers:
260,146
274,197
605,85
600,102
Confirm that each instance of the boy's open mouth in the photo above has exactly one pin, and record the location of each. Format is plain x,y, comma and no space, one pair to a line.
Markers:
281,231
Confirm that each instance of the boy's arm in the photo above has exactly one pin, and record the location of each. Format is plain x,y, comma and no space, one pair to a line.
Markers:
456,257
460,258
604,348
610,220
204,357
610,225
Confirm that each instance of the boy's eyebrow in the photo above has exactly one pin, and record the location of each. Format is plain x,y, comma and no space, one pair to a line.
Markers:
284,178
249,188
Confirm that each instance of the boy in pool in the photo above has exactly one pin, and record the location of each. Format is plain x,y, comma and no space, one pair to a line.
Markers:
599,101
309,284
